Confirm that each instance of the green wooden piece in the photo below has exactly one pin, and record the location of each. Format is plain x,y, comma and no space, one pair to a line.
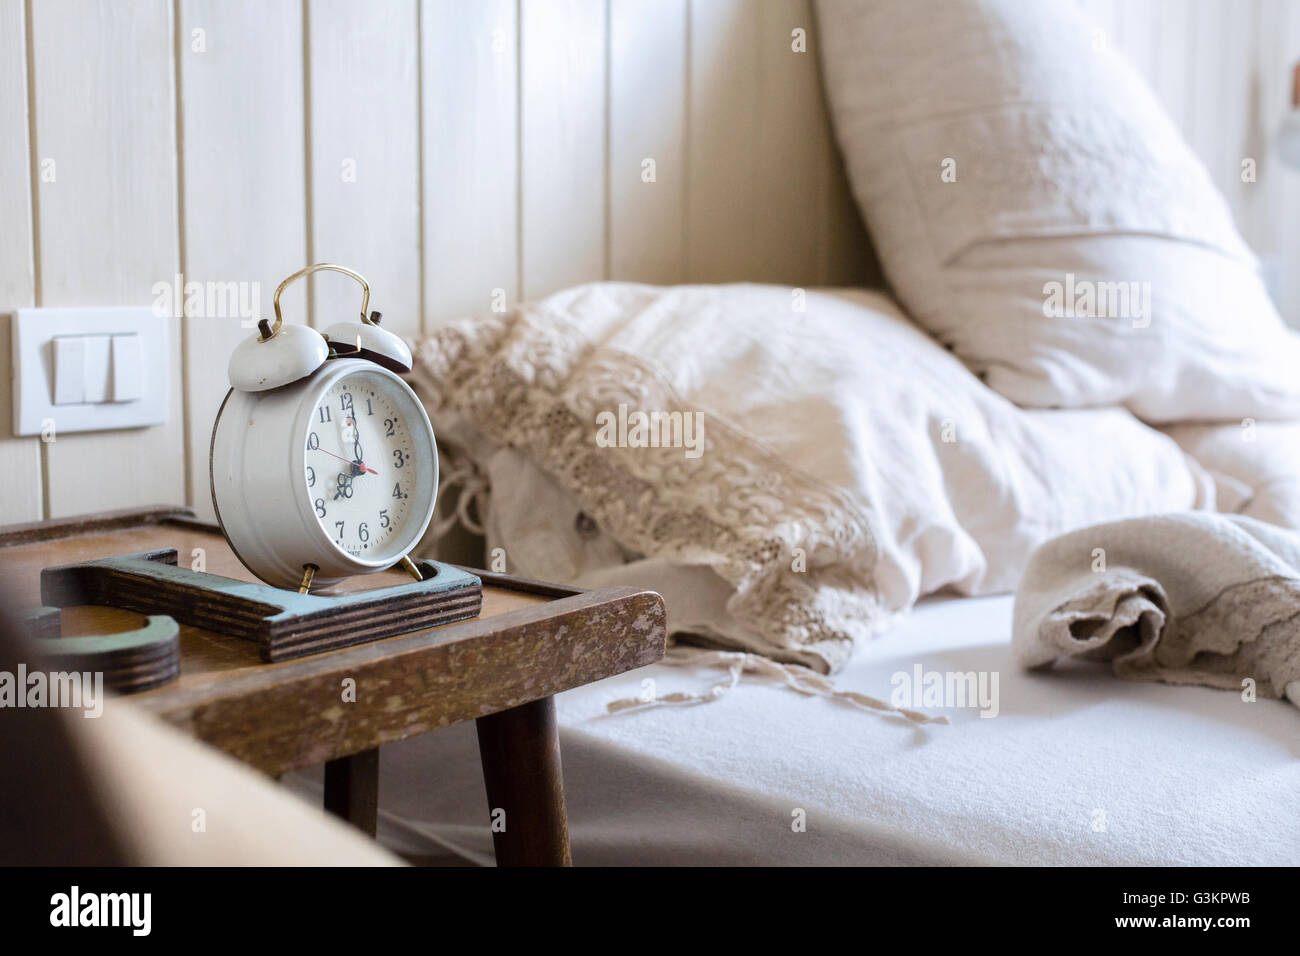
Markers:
284,623
157,629
130,661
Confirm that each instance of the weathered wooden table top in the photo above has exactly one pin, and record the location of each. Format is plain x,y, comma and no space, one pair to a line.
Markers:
528,643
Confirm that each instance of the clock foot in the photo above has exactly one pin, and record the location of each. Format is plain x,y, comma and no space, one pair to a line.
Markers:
410,568
308,572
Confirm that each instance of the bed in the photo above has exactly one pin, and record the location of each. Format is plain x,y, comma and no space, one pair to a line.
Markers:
1063,766
1074,770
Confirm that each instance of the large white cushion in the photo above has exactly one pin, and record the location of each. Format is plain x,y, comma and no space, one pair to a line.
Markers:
1007,169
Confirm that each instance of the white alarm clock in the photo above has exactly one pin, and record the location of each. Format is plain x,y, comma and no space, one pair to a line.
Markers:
323,461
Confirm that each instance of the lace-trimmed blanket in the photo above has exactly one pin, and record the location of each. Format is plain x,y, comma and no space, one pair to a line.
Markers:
1186,599
799,552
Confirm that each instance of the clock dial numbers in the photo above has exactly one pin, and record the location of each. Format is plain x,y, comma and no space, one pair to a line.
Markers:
343,488
360,465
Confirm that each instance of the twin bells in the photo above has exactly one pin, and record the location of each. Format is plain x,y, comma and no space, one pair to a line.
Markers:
280,354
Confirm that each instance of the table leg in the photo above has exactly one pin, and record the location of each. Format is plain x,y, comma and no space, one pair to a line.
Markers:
352,789
520,749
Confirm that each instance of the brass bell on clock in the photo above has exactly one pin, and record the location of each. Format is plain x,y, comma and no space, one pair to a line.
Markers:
280,354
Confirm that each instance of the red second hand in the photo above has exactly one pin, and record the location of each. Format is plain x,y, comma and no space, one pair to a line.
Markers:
360,464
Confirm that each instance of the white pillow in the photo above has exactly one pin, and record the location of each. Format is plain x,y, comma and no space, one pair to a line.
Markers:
847,464
1255,466
1015,179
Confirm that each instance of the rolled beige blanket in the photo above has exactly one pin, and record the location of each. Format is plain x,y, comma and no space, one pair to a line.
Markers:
1192,598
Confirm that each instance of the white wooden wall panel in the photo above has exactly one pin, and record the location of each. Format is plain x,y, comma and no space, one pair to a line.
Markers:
562,154
845,254
21,498
104,113
1261,112
364,137
449,149
1277,205
470,175
792,140
244,211
723,192
1218,83
807,222
767,196
1170,58
647,123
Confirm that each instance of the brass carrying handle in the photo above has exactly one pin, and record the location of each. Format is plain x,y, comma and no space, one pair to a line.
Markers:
319,267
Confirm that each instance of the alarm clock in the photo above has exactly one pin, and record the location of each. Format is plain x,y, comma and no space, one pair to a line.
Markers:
323,463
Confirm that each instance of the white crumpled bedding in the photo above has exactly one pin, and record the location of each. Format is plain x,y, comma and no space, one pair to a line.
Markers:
847,464
849,402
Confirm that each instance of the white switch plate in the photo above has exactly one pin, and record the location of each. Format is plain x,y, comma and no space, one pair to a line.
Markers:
34,331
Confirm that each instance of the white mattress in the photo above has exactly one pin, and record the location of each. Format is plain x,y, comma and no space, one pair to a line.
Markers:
1077,768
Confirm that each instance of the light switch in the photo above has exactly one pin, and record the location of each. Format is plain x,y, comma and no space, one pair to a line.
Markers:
89,369
81,368
128,369
95,368
69,370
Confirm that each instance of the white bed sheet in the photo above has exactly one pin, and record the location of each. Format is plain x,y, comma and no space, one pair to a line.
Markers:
1077,768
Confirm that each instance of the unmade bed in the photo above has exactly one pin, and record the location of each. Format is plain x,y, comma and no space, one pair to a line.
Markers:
861,513
873,474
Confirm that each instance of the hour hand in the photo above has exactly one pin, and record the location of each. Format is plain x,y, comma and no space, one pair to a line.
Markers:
350,432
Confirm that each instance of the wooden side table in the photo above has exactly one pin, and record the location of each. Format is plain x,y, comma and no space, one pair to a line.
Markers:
501,669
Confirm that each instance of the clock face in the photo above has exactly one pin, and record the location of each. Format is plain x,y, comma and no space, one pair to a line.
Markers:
367,466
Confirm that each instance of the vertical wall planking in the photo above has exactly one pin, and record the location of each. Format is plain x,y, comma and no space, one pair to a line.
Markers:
845,256
722,186
793,138
243,209
1169,60
1218,81
1201,79
563,142
107,219
1276,230
21,498
1261,112
435,103
470,170
364,141
768,198
647,125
